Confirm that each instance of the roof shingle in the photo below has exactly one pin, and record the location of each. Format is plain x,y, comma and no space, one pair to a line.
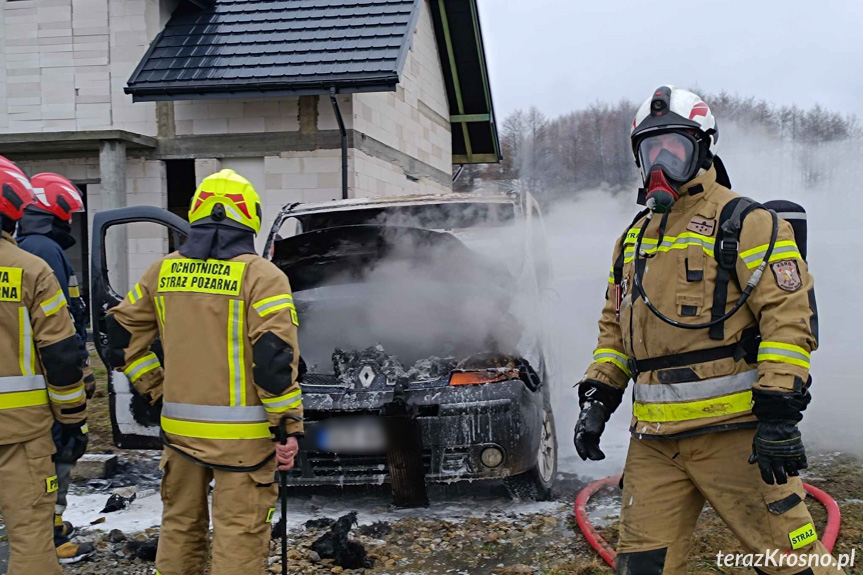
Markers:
278,46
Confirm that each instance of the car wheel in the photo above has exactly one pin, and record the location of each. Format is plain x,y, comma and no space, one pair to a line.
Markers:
537,484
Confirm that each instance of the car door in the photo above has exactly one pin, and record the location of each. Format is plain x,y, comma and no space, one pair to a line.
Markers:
134,423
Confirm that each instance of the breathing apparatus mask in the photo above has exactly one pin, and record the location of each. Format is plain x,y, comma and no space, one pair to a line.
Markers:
667,161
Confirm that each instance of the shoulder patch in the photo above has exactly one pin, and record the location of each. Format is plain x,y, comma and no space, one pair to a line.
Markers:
702,226
787,275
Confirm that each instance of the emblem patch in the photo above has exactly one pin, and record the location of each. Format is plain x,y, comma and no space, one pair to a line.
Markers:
787,275
701,226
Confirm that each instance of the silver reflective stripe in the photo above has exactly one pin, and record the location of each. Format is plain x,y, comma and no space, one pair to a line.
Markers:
135,372
776,251
274,303
792,215
22,383
215,413
54,303
768,349
695,390
294,398
237,384
27,342
67,397
73,281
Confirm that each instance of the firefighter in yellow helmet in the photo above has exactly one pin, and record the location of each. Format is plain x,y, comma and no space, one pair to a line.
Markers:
710,309
228,378
40,382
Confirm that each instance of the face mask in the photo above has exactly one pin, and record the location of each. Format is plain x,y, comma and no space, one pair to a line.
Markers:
661,194
667,160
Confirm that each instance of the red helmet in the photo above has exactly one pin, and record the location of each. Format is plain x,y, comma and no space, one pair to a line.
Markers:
16,192
57,195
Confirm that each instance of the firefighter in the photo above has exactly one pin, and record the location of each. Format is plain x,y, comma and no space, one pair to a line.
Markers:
720,385
45,231
40,383
228,379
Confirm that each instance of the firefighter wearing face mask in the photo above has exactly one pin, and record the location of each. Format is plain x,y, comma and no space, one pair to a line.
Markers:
45,231
227,379
716,408
40,384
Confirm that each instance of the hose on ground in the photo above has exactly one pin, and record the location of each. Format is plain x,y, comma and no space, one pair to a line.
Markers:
601,546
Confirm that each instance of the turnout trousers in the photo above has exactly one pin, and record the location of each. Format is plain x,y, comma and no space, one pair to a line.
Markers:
27,496
243,504
665,485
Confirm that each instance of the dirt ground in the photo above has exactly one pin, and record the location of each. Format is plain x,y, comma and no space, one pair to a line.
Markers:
501,539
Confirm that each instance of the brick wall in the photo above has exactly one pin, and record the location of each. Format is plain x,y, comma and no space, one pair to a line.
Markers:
64,63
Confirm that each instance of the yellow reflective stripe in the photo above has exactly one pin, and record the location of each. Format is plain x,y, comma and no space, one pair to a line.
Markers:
24,399
236,352
202,430
783,353
802,537
666,412
272,304
74,292
141,366
283,402
54,304
26,347
782,250
67,396
606,355
159,302
135,294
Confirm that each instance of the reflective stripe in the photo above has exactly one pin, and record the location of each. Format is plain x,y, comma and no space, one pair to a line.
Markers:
670,243
70,396
216,430
784,249
283,402
21,383
236,363
52,305
159,302
73,287
694,390
604,355
215,413
141,366
665,412
787,216
24,399
783,352
135,294
273,304
611,275
26,350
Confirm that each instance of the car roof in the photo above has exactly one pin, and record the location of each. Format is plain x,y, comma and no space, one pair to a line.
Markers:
391,201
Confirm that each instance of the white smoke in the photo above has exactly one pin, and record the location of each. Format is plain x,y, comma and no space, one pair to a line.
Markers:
824,179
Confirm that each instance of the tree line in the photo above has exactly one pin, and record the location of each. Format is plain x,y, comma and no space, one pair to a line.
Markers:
589,148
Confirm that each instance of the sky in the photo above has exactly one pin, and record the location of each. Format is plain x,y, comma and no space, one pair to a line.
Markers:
562,55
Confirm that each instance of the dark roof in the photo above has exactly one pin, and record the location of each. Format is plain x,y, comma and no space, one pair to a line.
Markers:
237,48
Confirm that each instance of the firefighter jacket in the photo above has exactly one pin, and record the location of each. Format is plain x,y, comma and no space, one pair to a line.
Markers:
46,248
708,384
229,335
40,373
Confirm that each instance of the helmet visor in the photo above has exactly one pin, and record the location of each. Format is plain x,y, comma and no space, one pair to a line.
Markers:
673,152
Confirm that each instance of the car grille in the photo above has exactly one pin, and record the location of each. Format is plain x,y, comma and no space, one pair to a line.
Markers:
324,465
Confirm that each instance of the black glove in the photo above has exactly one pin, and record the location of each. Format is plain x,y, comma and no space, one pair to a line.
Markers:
598,401
73,442
591,424
778,449
777,446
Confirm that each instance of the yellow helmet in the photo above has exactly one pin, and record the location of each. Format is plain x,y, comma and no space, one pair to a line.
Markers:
226,194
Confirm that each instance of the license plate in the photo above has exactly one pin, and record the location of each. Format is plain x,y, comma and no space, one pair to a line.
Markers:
351,435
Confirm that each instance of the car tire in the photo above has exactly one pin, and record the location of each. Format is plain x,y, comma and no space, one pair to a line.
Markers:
537,484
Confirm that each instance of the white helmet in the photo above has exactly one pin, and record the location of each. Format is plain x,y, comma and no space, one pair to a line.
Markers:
671,109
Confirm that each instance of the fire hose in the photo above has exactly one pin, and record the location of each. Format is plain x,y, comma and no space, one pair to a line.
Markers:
608,554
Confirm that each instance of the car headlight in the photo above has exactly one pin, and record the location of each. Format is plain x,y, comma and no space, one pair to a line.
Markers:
482,376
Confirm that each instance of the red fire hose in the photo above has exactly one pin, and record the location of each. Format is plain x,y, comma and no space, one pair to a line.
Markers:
608,554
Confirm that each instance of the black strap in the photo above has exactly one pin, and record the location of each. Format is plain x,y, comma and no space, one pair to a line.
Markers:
725,251
746,348
618,263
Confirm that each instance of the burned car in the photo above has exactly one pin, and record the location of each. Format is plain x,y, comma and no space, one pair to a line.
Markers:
434,301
